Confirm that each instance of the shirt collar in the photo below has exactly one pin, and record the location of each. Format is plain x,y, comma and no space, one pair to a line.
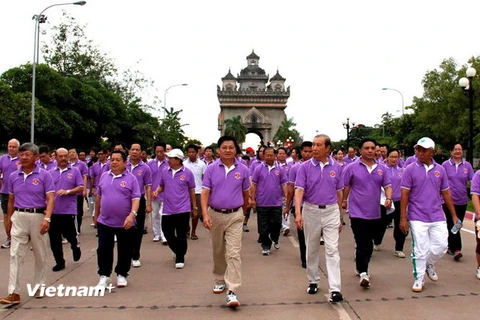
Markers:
316,163
69,166
118,175
35,170
14,158
454,163
179,169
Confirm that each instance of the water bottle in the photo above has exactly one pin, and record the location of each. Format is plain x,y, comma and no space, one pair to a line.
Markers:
456,227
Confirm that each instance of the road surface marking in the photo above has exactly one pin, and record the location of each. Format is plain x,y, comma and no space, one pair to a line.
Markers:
467,230
342,313
294,242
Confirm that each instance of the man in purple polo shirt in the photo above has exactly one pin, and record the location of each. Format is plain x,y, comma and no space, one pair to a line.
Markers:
75,162
97,169
177,183
319,185
475,190
424,184
269,188
157,165
363,180
45,160
116,206
459,173
8,164
351,155
306,154
224,202
30,205
142,172
69,182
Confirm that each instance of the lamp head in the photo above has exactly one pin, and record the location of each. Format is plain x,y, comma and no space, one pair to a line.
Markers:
80,3
463,82
471,72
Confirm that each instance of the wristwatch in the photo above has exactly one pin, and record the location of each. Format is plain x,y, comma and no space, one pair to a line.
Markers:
47,219
134,213
68,191
194,208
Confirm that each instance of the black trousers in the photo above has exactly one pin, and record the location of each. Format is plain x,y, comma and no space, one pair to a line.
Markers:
62,225
175,228
79,211
364,231
454,240
137,240
398,235
386,219
106,243
270,223
301,240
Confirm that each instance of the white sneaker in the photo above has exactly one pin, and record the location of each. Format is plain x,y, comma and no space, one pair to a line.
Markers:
265,252
286,231
417,285
219,288
431,273
376,247
232,301
136,263
156,239
400,254
121,281
276,245
364,280
478,273
64,241
115,238
179,265
104,281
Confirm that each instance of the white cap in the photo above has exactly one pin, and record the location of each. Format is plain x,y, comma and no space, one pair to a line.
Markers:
426,143
175,153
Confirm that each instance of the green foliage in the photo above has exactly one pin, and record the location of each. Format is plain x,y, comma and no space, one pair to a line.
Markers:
287,130
234,127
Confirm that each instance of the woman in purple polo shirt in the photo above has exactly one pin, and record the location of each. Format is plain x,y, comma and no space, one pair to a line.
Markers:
459,173
178,186
475,189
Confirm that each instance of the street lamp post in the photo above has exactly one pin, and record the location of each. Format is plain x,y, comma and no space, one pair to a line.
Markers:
289,142
403,105
346,125
40,18
467,85
279,143
165,95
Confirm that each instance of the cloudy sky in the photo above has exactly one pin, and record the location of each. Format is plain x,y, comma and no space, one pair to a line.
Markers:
335,55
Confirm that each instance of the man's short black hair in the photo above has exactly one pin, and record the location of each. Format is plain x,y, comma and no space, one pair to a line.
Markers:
306,144
160,144
222,139
123,154
193,146
367,140
43,149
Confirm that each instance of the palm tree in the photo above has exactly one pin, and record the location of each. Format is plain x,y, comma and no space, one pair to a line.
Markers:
287,130
234,127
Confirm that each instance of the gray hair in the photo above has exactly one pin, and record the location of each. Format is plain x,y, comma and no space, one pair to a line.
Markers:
28,146
16,141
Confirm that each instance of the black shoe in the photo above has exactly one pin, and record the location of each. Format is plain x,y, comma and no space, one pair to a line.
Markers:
304,265
77,253
312,288
58,267
335,297
145,231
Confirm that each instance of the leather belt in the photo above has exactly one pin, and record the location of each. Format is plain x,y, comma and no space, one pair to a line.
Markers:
225,211
322,206
31,210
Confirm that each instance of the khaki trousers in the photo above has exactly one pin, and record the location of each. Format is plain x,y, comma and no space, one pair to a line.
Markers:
25,233
226,235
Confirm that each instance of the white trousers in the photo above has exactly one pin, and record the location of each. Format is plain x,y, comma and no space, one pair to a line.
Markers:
315,221
26,232
157,209
429,244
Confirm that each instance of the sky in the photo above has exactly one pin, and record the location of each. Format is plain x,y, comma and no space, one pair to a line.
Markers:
336,56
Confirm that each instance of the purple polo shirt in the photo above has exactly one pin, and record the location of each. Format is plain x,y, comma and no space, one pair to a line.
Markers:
458,177
401,163
96,171
81,166
67,179
292,175
320,185
156,167
425,201
269,185
285,166
475,186
30,191
395,174
176,190
226,189
117,193
143,174
365,189
253,165
348,160
410,160
49,166
7,166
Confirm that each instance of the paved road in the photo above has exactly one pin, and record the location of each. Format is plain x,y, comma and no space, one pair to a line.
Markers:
273,287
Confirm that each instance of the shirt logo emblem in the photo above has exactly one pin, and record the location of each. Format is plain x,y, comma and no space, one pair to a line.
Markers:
465,171
69,176
139,172
123,184
437,174
332,174
35,182
237,175
379,172
400,174
182,178
276,172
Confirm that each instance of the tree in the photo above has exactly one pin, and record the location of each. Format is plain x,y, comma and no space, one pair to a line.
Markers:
234,127
287,130
171,128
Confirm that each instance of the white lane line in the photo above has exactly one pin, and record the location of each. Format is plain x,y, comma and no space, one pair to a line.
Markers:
468,230
294,242
342,313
